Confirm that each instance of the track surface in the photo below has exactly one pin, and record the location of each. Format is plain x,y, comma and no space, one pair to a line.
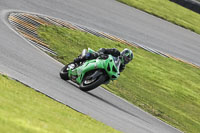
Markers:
34,68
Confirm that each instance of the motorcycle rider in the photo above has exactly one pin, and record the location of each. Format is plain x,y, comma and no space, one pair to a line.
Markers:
126,56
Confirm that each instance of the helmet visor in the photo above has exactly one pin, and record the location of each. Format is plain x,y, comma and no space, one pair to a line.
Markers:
126,59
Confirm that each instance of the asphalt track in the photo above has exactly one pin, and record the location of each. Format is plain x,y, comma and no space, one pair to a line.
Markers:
34,68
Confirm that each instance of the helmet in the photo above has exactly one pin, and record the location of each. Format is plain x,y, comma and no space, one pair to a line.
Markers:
127,55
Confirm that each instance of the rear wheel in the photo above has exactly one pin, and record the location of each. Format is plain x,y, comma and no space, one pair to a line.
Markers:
89,84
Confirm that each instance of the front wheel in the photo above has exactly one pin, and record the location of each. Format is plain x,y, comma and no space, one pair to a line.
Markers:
88,85
64,71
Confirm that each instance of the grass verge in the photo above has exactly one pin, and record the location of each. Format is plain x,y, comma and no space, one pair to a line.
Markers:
168,89
169,11
24,110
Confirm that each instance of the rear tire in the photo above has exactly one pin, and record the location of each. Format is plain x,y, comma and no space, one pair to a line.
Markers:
87,87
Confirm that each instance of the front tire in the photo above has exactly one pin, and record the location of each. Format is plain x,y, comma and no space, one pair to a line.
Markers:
87,87
64,73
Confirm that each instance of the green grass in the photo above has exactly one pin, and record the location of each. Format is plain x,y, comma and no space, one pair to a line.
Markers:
169,11
23,110
168,89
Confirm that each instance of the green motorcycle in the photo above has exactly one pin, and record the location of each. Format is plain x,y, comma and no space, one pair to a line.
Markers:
92,73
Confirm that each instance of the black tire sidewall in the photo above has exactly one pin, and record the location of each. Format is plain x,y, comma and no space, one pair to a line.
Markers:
63,73
93,85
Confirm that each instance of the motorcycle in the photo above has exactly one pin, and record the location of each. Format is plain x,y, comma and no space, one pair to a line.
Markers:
92,73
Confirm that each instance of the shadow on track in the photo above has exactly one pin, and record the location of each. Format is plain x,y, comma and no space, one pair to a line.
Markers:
115,106
107,102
